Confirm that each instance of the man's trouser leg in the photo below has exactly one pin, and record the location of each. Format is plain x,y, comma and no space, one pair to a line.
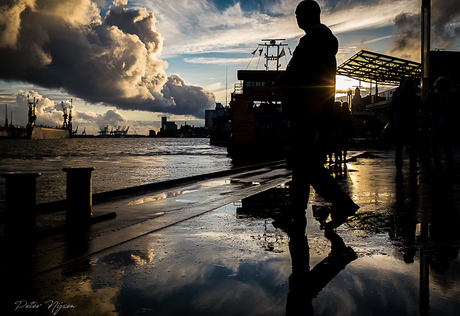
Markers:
308,169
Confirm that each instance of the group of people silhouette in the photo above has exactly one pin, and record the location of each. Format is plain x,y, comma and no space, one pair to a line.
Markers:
337,134
404,120
309,106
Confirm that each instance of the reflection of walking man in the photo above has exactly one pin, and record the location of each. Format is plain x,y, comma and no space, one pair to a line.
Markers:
305,284
308,91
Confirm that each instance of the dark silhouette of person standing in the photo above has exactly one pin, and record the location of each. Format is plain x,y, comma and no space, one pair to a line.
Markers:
403,112
308,95
346,129
442,106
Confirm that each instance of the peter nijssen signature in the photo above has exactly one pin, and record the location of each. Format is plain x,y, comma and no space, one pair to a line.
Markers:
53,306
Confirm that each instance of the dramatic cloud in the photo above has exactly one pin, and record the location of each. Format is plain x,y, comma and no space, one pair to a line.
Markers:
114,61
93,123
445,29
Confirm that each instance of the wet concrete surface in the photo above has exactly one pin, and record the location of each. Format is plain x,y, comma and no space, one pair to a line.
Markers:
397,256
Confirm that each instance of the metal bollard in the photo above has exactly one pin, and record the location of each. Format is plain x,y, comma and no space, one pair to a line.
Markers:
79,193
20,203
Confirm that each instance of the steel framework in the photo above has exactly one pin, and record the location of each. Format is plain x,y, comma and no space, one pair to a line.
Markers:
382,69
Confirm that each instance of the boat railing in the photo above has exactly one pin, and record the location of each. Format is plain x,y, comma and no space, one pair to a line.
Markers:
238,88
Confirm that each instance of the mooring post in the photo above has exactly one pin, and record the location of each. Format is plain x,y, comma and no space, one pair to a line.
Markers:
20,203
79,193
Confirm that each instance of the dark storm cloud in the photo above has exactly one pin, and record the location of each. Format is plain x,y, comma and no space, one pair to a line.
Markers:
66,44
445,29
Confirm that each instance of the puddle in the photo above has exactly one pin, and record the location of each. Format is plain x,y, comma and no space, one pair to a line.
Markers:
233,261
165,195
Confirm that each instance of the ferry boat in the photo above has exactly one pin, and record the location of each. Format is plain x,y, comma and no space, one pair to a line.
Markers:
259,130
45,132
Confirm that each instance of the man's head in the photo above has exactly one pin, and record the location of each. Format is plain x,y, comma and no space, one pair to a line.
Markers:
408,85
307,14
443,85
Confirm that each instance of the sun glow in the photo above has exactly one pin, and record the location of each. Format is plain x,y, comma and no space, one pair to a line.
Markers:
343,84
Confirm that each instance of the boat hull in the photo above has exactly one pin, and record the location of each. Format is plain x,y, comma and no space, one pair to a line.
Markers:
38,132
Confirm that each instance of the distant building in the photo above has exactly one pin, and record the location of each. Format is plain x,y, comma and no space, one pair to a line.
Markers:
152,133
217,121
168,129
168,126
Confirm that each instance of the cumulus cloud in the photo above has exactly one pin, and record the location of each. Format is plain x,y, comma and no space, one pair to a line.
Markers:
112,60
200,26
48,112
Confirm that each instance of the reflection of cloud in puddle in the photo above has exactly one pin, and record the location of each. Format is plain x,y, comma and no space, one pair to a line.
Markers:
161,196
255,299
165,195
87,299
128,258
215,284
394,286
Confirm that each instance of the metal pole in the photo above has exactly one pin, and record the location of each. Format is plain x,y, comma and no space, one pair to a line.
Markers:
426,38
425,154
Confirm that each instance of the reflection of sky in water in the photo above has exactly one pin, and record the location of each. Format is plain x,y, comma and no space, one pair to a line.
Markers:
218,264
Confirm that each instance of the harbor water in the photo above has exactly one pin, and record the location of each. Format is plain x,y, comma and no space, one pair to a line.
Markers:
119,162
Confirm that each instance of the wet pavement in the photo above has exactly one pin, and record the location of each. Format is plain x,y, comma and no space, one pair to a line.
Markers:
221,254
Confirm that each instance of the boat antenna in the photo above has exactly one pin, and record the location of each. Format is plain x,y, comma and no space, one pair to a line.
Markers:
273,43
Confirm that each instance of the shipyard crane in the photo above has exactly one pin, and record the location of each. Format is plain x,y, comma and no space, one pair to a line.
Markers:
103,131
64,114
32,109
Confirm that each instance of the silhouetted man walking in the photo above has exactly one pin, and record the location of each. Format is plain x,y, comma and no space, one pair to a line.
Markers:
308,99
